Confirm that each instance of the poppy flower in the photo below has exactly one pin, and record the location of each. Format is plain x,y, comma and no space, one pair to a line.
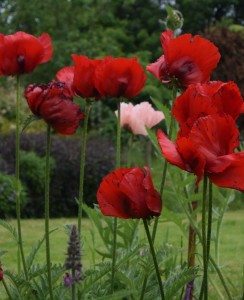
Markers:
119,77
139,117
53,103
187,59
200,100
208,150
22,52
129,193
84,80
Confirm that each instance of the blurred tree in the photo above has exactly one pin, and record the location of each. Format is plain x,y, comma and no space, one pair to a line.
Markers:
91,27
199,14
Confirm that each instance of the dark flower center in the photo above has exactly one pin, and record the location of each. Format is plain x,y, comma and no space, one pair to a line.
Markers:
21,63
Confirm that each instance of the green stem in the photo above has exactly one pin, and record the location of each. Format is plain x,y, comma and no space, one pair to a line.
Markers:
118,163
88,106
118,141
73,288
204,287
47,204
150,241
210,209
17,176
7,289
165,167
198,232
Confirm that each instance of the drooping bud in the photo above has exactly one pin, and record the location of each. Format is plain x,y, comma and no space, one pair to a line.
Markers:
174,20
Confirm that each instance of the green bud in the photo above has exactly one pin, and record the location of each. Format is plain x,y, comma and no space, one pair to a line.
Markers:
174,18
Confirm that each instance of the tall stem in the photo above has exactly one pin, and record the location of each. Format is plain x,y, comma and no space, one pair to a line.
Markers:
118,163
191,248
7,290
47,205
210,209
88,106
198,232
204,287
150,241
73,287
17,176
165,167
118,141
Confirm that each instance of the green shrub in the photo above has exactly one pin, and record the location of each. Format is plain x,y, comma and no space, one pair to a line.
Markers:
32,168
7,195
32,174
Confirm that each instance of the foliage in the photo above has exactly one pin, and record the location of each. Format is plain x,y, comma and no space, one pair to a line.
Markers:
32,175
201,14
65,166
7,195
231,47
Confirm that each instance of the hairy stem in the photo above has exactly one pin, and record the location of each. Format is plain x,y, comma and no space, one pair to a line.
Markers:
47,205
118,163
7,289
17,176
165,167
150,241
204,287
88,106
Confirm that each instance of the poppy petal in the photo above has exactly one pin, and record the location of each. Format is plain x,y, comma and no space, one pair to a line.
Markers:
233,176
169,150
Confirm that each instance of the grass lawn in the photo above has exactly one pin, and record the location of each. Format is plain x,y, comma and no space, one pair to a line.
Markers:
231,243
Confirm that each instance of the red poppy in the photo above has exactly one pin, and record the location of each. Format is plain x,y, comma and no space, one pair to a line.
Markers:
129,193
200,100
22,53
1,274
53,103
208,150
66,75
84,81
188,59
119,77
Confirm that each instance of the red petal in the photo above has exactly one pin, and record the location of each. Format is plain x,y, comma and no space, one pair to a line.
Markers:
228,99
111,200
233,176
138,187
46,43
169,150
194,161
119,77
187,48
66,75
165,38
157,67
83,82
190,106
215,135
153,198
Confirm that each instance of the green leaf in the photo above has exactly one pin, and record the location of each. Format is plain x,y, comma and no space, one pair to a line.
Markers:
163,108
28,121
10,229
152,137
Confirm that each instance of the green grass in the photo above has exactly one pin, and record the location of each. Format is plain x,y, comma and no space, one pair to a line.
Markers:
231,243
